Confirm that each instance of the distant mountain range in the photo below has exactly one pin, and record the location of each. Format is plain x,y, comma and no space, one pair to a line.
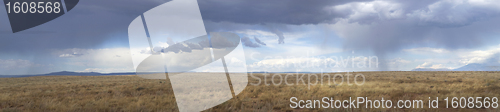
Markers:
468,67
67,73
431,69
478,67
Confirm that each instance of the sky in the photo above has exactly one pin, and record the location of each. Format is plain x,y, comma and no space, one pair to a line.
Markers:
277,36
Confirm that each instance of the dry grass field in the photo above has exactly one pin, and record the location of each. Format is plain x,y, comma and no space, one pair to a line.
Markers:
131,93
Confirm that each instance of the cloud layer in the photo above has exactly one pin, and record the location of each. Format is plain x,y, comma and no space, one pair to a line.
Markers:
441,33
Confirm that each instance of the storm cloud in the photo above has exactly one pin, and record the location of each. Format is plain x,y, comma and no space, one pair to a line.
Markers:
295,12
381,27
91,24
247,42
258,41
393,23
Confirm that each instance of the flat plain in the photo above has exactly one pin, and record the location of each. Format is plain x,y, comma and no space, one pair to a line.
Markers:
132,93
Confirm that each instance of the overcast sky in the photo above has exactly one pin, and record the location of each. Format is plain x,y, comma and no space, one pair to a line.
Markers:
278,35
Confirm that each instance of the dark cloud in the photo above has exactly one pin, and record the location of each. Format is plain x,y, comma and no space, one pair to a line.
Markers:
291,12
456,13
390,37
382,27
440,13
91,24
258,41
385,27
247,42
295,12
281,38
388,25
438,24
97,23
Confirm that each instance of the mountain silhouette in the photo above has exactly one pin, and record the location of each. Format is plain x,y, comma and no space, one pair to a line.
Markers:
68,73
478,67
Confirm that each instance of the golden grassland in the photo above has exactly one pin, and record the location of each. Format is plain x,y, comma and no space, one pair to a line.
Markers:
131,93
